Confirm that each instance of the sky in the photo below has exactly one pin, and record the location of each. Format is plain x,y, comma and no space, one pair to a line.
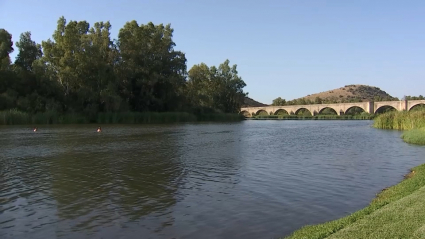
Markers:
282,48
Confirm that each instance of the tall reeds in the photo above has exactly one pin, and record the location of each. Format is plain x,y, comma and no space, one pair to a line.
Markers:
411,121
15,117
401,120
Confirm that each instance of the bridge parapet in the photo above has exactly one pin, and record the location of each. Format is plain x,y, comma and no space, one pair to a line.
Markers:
340,108
368,106
412,103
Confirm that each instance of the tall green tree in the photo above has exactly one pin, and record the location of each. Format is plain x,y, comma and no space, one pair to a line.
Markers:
198,92
29,51
6,47
152,73
82,59
8,95
36,93
219,89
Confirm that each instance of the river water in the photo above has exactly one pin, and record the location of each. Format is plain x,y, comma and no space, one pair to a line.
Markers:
254,179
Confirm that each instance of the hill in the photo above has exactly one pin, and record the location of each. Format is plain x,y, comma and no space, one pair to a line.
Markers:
348,93
248,102
351,93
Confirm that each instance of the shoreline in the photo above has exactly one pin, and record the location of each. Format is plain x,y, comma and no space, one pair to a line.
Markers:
395,212
390,200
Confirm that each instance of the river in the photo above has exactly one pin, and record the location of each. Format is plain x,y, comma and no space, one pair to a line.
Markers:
253,179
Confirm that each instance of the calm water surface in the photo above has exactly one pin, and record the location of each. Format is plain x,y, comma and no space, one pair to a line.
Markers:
255,179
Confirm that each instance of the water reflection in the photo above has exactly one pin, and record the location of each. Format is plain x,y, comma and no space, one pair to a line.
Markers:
256,179
90,180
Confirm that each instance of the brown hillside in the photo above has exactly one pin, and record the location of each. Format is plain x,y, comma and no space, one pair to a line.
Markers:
248,102
352,93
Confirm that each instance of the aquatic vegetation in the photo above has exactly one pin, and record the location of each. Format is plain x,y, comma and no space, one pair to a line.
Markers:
13,117
411,121
401,120
414,136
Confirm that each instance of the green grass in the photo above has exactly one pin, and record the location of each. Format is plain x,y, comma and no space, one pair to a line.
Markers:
396,212
414,136
14,117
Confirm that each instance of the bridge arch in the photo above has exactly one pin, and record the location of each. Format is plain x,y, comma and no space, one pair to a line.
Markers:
384,108
261,112
354,110
281,112
303,111
416,106
328,111
245,113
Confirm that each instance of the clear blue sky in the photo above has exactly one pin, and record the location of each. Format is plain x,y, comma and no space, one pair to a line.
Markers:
282,48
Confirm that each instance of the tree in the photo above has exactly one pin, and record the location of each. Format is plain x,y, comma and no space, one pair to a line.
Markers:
82,60
29,51
218,89
198,89
8,95
6,47
318,100
153,73
81,70
279,102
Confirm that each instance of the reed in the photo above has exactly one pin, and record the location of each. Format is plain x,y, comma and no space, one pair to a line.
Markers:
144,117
413,122
401,120
13,117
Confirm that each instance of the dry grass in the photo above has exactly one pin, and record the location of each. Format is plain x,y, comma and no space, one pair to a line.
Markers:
365,92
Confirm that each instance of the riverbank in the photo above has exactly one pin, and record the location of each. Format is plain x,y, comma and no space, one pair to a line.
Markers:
396,212
13,117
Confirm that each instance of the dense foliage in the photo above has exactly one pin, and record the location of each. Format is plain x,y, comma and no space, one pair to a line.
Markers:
82,70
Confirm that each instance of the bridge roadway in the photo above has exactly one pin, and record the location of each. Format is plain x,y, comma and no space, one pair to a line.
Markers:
340,108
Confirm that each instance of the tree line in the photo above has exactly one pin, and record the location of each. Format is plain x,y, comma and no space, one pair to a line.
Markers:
82,70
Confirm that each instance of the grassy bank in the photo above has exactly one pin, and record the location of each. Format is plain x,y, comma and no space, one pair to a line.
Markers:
13,117
396,212
316,117
414,136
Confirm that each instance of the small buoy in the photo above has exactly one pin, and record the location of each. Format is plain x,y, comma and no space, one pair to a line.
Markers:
99,130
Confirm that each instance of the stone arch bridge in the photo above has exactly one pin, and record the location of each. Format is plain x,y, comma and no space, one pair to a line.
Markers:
340,108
